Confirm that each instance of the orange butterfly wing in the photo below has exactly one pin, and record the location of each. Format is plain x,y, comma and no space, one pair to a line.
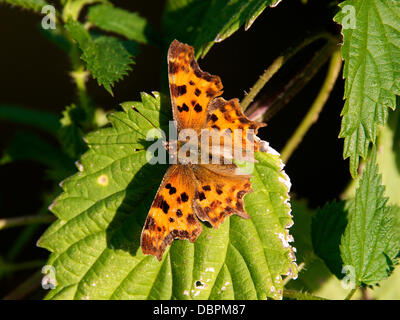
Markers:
228,117
219,193
171,215
191,89
211,192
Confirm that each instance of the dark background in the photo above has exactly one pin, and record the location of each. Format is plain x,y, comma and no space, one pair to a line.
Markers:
34,74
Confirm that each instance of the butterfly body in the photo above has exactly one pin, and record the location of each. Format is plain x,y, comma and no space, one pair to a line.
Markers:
201,185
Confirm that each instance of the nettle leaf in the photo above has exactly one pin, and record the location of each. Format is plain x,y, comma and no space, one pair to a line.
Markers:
35,5
371,240
70,133
107,58
371,50
388,156
201,23
327,228
128,24
95,242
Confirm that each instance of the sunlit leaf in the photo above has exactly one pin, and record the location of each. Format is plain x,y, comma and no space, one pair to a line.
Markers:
95,242
371,50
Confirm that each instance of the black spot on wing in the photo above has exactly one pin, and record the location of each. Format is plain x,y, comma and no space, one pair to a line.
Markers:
158,201
181,90
173,67
172,189
184,197
198,108
177,91
201,196
165,207
150,223
213,117
183,108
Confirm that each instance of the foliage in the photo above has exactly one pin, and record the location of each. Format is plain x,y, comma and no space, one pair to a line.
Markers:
94,242
371,52
242,260
107,58
369,241
35,5
203,22
129,25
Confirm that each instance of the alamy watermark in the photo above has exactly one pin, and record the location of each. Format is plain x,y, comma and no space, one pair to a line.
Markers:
49,279
349,20
205,146
49,20
349,280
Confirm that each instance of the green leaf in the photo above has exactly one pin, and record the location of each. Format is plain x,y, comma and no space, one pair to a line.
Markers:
388,156
70,133
44,120
35,5
371,240
314,277
95,244
371,51
201,23
328,226
388,289
79,33
107,58
72,8
128,24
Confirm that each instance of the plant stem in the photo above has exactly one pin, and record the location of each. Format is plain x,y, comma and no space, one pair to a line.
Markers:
277,64
351,294
264,78
21,221
265,108
80,76
312,115
293,294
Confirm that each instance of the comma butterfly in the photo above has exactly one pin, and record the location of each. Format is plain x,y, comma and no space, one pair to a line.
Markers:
189,192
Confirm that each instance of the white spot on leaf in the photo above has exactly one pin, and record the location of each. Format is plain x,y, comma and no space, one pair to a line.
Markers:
102,180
